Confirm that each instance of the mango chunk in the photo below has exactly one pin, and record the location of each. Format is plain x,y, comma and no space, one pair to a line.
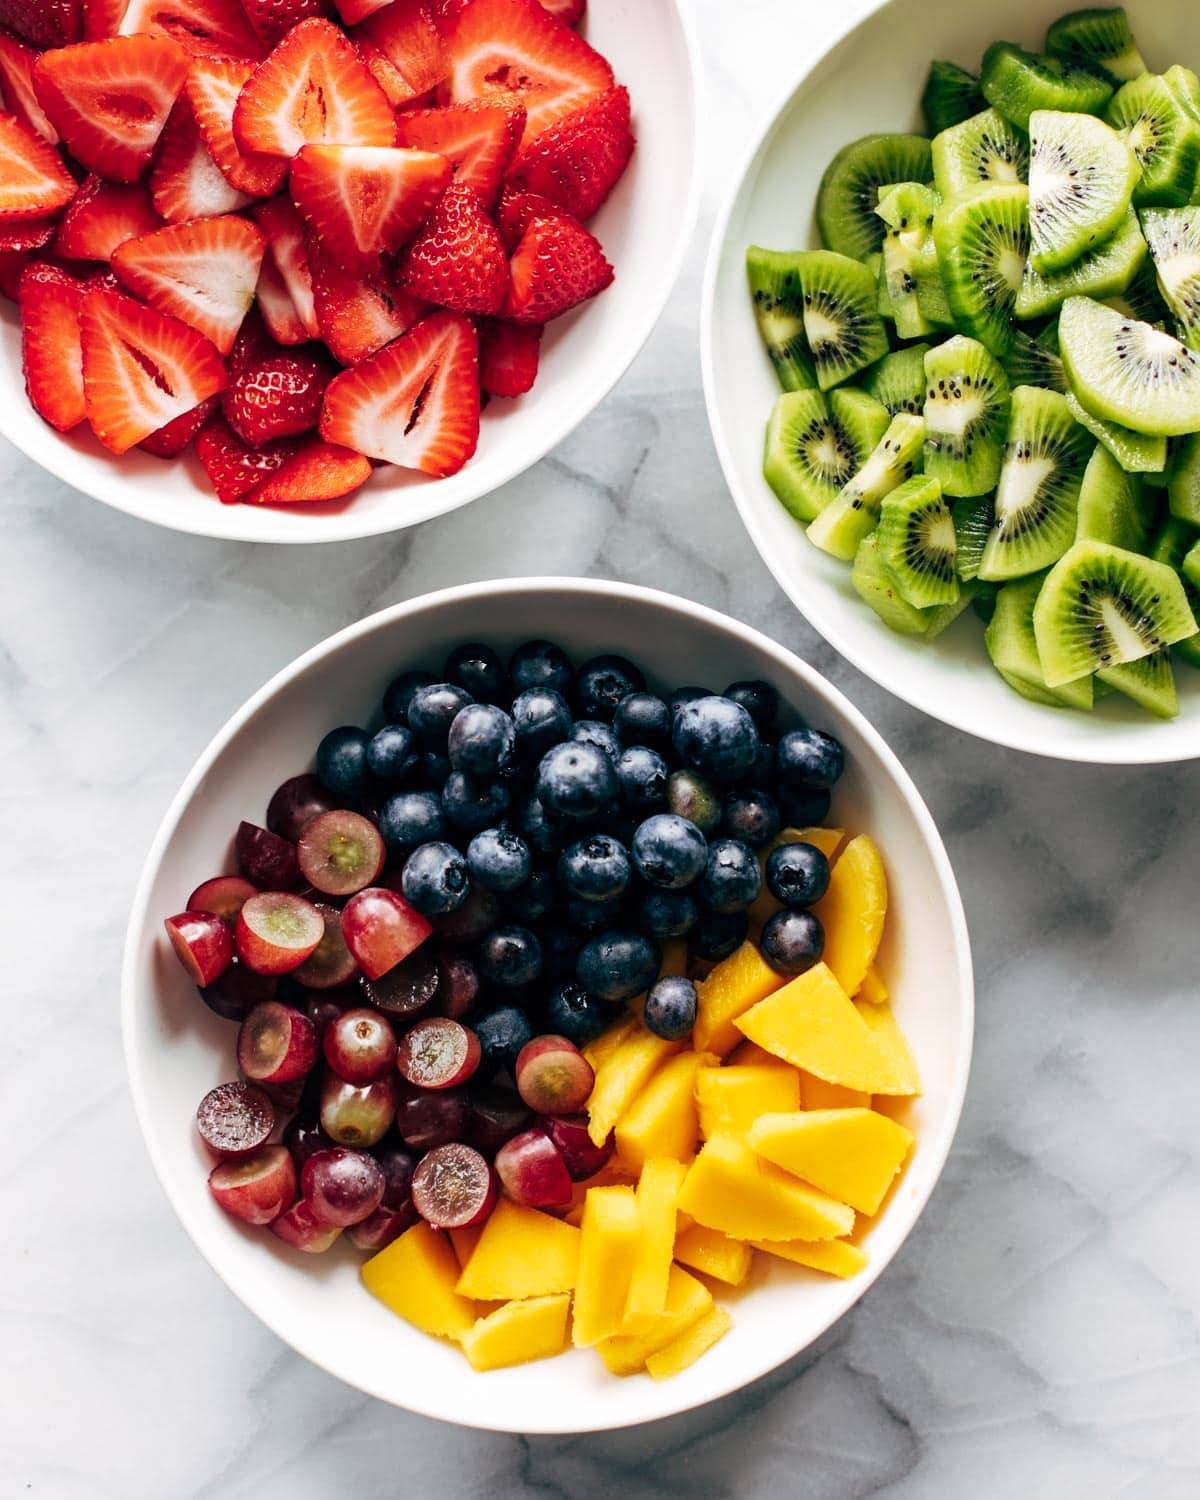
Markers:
713,1253
896,1070
464,1242
815,1093
608,1246
662,1120
622,1075
690,1345
602,1047
813,1024
735,984
852,912
687,1302
518,1333
827,840
852,1154
873,987
751,1055
657,1195
836,1257
521,1253
730,1099
729,1189
415,1276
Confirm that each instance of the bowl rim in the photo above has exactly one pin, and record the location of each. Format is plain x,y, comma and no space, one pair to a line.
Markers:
544,436
937,1145
1113,750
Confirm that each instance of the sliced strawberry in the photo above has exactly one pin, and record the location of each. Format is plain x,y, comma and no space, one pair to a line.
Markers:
45,23
252,342
184,182
273,19
12,268
212,89
33,181
205,28
101,18
278,396
50,301
517,210
26,235
557,265
480,140
508,357
403,48
282,226
458,259
569,12
313,89
110,100
354,11
577,161
177,436
318,471
103,216
16,87
141,368
278,310
415,403
204,271
360,311
363,200
233,469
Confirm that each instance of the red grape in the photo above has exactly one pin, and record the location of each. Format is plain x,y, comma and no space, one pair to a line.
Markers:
379,1229
553,1076
277,931
497,1114
341,1186
295,804
276,1044
331,962
223,896
360,1046
381,929
256,1188
235,1119
237,991
202,943
458,985
424,1120
357,1116
265,858
397,1166
453,1187
533,1171
340,853
323,1007
300,1228
438,1054
407,989
570,1134
304,1138
478,914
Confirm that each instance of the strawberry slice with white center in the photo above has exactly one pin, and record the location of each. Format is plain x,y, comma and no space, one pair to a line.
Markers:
403,49
314,89
416,402
110,100
213,87
50,300
204,272
17,90
278,310
141,368
205,28
516,46
359,312
103,216
284,230
33,180
479,140
364,200
184,181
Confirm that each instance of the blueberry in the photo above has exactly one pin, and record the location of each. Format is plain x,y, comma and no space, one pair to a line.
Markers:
541,664
534,899
671,1008
435,879
539,828
666,914
342,761
482,740
642,719
792,941
762,772
801,806
718,934
618,965
498,860
542,719
751,815
602,683
560,949
474,805
510,956
731,878
716,736
392,754
478,670
434,767
692,796
502,1033
576,781
643,774
594,916
594,869
758,698
808,758
668,851
412,818
573,1013
686,695
797,875
596,732
399,694
432,710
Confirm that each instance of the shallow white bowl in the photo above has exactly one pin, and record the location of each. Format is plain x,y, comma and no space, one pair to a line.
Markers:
645,228
176,1049
871,80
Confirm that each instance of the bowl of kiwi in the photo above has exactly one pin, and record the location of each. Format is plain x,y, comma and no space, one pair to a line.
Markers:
951,353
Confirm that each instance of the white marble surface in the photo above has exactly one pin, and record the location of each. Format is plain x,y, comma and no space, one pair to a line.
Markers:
1039,1334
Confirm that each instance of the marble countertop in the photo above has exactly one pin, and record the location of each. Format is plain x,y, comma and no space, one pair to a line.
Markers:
1040,1332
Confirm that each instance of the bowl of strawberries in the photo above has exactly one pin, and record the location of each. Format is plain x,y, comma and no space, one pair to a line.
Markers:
308,270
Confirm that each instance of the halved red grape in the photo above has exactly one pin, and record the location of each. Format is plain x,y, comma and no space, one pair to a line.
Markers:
276,1044
300,1228
360,1046
256,1188
340,853
235,993
458,985
295,804
277,931
570,1134
323,1007
453,1187
553,1076
407,989
342,1186
425,1120
265,858
382,929
202,943
379,1229
438,1053
357,1115
397,1166
331,962
497,1114
223,896
533,1171
235,1119
478,914
304,1138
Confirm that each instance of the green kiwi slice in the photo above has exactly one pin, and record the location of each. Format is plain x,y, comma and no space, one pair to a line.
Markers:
875,585
983,148
849,190
982,239
1129,372
1017,82
1035,361
966,416
974,516
1149,682
1081,179
1105,271
779,312
1100,39
1038,491
917,543
1164,137
951,95
1191,565
815,445
1101,606
855,512
898,380
1170,545
1012,646
1112,504
1173,235
1183,480
1134,451
914,283
841,320
1142,298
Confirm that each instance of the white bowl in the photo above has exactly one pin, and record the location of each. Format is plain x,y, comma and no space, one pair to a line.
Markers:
176,1049
870,79
645,228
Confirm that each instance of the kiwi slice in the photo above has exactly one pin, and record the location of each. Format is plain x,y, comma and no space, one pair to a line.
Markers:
841,322
1038,491
875,584
917,543
1035,361
779,312
898,380
1170,545
815,445
910,263
982,239
951,95
1102,606
1129,372
1164,137
1191,566
1183,480
966,416
1099,39
1112,504
883,303
1105,271
1173,235
1081,178
855,512
849,190
1134,451
984,148
1142,298
1012,646
974,517
1017,82
1149,682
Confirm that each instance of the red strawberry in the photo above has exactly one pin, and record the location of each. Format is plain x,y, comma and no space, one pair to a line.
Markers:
101,18
110,100
50,300
416,402
204,271
557,265
103,216
508,357
314,88
479,140
281,224
12,268
317,471
353,11
233,469
359,312
277,308
25,235
45,23
184,181
33,180
17,90
205,28
363,200
141,368
570,12
273,19
278,396
577,161
177,436
212,89
517,210
458,259
503,46
252,343
403,49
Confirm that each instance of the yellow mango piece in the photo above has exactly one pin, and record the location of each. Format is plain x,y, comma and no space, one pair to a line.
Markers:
602,1047
674,958
714,1253
687,1302
827,840
852,912
622,1075
815,1093
730,1099
608,1246
873,987
813,1024
896,1070
657,1194
689,1346
521,1253
729,1189
836,1257
852,1154
611,1173
464,1242
518,1332
735,984
662,1120
415,1276
750,1055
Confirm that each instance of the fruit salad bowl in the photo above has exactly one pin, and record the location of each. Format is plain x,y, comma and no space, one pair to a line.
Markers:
177,1050
870,79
